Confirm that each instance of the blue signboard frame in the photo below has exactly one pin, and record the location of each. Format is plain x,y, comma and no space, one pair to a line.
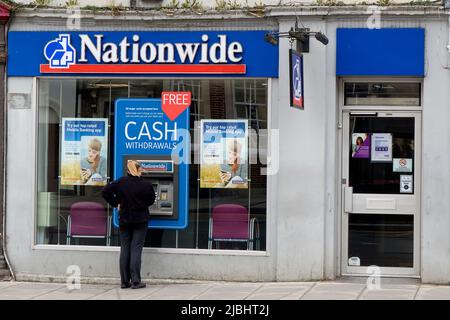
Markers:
29,51
134,121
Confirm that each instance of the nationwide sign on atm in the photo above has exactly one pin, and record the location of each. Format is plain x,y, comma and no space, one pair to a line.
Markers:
234,53
155,133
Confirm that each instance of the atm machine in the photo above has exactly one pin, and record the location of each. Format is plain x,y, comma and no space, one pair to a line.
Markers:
143,132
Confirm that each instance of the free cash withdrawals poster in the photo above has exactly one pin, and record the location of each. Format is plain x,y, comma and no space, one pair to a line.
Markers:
84,150
224,154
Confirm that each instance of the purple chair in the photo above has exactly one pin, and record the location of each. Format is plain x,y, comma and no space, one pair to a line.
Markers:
231,222
88,220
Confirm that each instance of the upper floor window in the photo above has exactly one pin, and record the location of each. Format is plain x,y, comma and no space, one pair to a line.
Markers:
382,94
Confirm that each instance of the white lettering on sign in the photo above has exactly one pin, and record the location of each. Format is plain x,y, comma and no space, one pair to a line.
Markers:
156,132
177,98
218,51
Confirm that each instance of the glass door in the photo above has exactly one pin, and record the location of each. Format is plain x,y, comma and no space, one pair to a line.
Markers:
381,192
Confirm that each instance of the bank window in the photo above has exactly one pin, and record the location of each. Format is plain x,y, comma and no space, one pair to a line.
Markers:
70,208
382,94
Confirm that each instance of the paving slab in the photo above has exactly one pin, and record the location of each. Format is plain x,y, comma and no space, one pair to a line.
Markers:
179,292
390,292
128,294
280,291
334,291
229,291
5,284
433,293
25,291
84,293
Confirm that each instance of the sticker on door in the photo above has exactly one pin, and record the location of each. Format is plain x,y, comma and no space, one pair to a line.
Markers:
354,261
406,184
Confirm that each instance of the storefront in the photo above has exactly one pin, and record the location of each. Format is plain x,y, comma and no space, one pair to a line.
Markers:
345,183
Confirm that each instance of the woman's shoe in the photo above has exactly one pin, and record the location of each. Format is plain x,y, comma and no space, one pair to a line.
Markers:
125,285
138,285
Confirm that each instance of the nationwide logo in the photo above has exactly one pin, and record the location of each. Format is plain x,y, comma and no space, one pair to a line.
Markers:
215,55
297,83
60,53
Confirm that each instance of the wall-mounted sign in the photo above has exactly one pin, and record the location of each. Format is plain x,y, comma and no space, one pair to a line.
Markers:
361,145
84,151
224,154
296,79
402,165
406,184
237,53
381,147
145,133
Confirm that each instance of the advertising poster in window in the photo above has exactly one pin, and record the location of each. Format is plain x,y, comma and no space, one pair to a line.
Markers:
381,147
84,150
361,145
296,79
224,154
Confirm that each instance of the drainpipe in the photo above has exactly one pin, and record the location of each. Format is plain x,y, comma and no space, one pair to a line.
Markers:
5,141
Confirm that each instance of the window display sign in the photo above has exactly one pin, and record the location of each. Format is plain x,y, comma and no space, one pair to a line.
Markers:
406,184
224,154
296,79
361,145
84,151
381,150
402,165
157,137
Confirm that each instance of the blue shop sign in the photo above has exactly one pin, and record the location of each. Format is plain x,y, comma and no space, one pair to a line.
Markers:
193,53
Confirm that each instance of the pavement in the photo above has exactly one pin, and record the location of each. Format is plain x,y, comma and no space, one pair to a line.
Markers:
343,289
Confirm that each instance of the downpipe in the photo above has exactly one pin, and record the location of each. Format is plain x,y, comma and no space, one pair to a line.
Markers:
5,147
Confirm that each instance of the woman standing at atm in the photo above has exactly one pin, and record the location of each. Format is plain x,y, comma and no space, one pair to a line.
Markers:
132,195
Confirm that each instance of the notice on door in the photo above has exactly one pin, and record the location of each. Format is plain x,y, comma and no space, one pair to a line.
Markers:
381,147
406,184
402,165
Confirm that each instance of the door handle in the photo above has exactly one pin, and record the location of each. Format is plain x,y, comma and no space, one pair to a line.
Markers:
348,199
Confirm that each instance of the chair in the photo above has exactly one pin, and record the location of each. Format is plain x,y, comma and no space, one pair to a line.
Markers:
88,220
231,222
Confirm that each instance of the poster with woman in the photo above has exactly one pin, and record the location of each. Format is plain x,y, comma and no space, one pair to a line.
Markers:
224,154
360,145
84,150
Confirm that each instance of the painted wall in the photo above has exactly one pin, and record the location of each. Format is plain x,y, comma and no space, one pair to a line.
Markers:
301,192
436,157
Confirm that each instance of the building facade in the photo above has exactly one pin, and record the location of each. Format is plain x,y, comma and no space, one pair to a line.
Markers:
355,178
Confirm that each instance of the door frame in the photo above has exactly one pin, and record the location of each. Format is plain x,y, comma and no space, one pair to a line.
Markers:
344,115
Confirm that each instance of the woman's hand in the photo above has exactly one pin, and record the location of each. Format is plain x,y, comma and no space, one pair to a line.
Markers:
118,207
85,174
225,176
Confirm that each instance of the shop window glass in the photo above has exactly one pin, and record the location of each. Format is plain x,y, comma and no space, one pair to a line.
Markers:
61,99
